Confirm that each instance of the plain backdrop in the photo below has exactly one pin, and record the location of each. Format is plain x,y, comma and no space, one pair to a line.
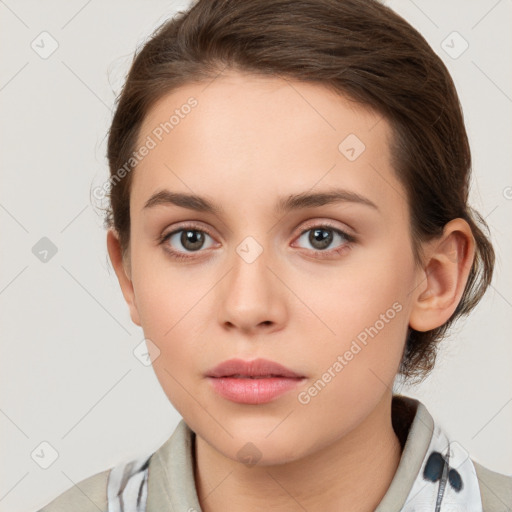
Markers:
68,374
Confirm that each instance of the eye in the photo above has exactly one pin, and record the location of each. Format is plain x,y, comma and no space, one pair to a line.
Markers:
322,237
186,240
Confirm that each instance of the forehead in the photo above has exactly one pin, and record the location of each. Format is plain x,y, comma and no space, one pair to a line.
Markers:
262,135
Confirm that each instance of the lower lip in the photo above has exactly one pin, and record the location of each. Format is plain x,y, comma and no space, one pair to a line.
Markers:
253,391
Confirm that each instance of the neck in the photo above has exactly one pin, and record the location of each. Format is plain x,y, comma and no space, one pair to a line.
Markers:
353,473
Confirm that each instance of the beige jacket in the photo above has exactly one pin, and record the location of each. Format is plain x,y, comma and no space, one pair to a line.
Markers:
171,485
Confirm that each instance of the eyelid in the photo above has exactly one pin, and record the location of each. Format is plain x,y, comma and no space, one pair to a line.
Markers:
305,227
183,256
318,223
192,225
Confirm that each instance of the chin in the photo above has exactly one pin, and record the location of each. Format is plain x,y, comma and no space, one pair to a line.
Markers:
259,443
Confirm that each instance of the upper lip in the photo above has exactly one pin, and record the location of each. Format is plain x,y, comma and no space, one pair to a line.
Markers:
254,368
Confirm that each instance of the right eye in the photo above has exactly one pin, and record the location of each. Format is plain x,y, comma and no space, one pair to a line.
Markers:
189,238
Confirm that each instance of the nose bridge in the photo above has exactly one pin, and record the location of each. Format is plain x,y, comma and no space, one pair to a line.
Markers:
250,294
250,275
250,263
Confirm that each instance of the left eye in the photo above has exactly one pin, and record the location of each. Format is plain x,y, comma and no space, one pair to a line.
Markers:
321,237
192,240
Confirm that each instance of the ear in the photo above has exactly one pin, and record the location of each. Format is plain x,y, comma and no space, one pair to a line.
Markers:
123,271
447,263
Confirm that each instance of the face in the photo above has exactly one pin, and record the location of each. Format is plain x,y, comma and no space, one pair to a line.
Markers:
321,286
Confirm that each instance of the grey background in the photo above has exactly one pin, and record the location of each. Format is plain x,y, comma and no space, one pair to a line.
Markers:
67,369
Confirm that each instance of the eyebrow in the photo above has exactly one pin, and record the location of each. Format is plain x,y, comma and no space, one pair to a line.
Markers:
284,204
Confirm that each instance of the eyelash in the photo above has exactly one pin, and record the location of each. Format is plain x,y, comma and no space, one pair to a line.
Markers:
177,255
319,254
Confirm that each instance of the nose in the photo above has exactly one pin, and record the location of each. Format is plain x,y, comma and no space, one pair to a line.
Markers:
251,298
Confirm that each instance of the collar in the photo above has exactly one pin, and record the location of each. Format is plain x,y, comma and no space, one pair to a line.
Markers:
434,474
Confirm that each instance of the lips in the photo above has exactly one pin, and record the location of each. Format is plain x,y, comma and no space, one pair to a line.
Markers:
252,382
255,369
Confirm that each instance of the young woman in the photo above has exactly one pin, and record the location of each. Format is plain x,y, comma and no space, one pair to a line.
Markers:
290,227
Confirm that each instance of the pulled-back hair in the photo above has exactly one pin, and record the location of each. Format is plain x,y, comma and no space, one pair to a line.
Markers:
360,49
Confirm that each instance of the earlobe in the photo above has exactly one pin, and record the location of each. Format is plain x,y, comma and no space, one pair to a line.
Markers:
448,261
123,271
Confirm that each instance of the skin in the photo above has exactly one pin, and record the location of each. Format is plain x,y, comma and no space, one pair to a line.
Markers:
248,142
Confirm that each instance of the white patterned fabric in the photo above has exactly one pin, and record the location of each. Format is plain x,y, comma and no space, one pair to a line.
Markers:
447,481
127,488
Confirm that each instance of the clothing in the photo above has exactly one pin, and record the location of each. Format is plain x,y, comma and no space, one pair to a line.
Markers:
434,475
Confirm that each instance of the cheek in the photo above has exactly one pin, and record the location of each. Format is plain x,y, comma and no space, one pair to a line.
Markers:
366,308
352,296
165,294
173,316
170,314
357,366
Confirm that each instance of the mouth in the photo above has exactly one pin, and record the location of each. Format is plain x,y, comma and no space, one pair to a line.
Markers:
238,376
252,382
255,369
253,390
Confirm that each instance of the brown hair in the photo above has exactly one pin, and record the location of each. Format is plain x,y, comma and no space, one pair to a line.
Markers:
360,49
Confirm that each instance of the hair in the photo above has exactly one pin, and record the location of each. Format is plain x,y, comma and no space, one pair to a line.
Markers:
363,51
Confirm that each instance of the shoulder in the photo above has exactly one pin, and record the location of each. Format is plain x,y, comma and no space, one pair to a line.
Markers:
495,489
88,495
